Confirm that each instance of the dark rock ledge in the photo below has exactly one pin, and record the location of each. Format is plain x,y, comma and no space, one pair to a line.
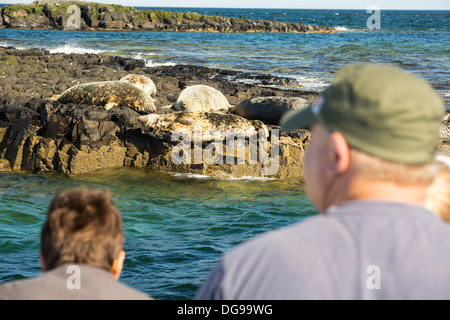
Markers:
38,134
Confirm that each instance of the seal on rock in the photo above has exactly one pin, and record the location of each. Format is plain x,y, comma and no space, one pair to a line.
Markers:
201,98
142,82
211,126
268,109
109,94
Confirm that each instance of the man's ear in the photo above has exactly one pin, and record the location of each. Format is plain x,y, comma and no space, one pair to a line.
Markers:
117,265
341,153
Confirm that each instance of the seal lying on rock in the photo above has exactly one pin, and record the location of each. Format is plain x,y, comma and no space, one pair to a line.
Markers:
142,82
268,109
201,98
109,94
211,126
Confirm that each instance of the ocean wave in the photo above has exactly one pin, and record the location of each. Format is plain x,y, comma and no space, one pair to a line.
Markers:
445,93
4,44
249,178
311,83
71,48
344,29
202,176
151,64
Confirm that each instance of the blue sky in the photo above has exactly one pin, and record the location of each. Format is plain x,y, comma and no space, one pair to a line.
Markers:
285,4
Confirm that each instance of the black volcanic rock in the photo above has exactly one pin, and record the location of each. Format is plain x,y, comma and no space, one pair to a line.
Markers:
39,134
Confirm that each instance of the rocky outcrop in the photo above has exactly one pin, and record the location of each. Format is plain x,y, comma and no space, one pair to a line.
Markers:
42,135
36,74
268,109
223,145
25,17
97,16
47,136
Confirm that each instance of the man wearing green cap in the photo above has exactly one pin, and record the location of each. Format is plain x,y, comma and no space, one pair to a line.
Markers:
375,131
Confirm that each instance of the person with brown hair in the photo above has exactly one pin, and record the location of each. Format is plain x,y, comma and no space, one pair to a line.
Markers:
81,254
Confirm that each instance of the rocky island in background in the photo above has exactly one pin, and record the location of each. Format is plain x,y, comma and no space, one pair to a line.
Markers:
58,14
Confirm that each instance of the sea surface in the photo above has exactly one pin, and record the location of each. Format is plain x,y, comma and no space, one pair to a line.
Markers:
418,41
178,226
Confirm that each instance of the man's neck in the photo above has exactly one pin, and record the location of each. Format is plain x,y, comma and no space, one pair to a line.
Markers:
359,189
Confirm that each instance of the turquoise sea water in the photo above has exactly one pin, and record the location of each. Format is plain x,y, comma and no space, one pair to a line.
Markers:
418,41
176,227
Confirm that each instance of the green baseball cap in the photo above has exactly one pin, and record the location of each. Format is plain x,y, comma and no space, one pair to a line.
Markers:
381,110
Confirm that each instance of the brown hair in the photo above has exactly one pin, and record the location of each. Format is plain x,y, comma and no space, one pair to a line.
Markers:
83,226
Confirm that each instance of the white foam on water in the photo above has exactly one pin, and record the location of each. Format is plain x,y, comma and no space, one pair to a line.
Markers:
138,56
71,48
249,81
203,176
4,44
341,28
311,83
251,178
190,175
444,93
150,64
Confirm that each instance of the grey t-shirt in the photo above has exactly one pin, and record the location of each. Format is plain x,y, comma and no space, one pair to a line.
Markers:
60,283
358,250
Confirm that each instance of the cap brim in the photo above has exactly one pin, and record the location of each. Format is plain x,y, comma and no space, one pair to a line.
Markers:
297,119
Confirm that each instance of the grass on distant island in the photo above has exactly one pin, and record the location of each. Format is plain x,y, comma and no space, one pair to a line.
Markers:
159,16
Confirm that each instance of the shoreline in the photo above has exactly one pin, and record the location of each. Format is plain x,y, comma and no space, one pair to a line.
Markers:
41,135
89,16
236,85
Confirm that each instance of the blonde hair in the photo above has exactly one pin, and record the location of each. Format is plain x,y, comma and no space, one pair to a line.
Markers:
376,169
438,193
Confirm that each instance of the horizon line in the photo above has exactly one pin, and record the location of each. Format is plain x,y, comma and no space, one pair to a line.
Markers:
282,8
257,8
